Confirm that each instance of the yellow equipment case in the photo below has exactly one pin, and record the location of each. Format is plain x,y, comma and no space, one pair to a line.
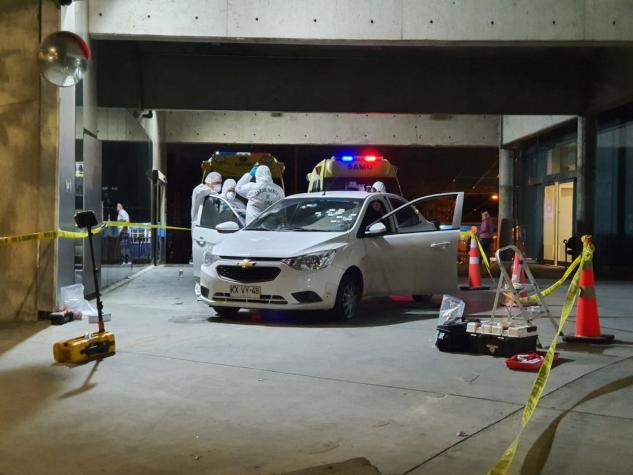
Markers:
82,349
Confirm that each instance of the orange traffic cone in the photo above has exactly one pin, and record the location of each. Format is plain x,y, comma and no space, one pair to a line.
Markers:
474,278
587,319
518,272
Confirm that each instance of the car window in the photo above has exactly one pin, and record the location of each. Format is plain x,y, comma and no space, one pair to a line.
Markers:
433,214
216,211
375,210
409,219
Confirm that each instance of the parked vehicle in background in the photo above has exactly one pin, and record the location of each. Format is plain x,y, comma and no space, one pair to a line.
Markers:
347,172
235,164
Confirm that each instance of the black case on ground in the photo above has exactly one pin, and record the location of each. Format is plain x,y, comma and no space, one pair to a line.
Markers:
495,345
452,337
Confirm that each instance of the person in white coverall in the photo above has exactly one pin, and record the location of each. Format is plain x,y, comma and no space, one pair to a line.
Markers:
379,187
261,194
212,186
228,193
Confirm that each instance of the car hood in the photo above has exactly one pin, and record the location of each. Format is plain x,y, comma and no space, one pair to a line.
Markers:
277,243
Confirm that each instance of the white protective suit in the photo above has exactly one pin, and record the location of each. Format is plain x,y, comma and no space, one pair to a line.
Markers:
379,187
212,186
228,193
261,194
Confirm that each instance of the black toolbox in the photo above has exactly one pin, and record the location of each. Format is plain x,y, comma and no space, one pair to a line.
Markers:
506,346
452,337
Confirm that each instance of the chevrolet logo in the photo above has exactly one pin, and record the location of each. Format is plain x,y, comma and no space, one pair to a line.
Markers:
246,264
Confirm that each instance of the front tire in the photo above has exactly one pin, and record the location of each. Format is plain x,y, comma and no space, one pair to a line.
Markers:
347,298
226,312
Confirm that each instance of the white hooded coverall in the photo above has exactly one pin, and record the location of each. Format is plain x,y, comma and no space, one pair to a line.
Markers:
228,193
379,187
212,186
261,194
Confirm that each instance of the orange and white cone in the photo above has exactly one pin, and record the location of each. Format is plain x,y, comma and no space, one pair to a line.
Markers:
518,279
587,319
474,277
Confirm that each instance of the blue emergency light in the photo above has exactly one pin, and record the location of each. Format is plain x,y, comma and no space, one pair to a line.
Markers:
347,158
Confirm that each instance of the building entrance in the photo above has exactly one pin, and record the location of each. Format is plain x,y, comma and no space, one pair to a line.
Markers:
558,213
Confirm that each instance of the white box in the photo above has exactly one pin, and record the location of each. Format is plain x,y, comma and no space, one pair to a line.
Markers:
521,331
472,327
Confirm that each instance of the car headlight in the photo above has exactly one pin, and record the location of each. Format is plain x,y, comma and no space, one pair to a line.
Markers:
313,261
209,258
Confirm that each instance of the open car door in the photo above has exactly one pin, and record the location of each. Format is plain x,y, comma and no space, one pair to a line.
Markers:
213,211
421,256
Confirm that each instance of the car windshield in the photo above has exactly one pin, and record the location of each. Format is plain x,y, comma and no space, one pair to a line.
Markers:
309,214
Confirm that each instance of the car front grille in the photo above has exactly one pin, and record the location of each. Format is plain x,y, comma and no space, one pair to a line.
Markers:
248,275
263,299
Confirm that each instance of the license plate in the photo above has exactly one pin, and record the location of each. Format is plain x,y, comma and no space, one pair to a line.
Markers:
246,291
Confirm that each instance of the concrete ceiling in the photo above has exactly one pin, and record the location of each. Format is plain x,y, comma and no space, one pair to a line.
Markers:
394,79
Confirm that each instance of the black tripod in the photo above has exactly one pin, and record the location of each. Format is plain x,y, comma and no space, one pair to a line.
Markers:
87,219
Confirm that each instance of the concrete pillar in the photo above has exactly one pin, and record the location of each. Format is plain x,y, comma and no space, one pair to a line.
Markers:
506,196
29,133
585,171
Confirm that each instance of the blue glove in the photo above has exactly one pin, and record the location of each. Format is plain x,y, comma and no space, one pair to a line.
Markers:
253,170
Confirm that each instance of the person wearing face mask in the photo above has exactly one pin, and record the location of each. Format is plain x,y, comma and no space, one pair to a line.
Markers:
260,194
212,186
228,193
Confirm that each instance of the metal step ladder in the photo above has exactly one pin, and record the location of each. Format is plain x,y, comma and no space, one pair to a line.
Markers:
527,313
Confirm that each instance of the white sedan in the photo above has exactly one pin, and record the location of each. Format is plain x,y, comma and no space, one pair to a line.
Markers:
329,250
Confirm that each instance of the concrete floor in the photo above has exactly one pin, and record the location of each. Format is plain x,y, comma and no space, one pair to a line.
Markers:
272,393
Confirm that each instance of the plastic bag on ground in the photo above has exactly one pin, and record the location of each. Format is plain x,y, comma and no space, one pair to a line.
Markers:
451,310
72,297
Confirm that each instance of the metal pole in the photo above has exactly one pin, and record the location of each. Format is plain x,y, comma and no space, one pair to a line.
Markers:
94,273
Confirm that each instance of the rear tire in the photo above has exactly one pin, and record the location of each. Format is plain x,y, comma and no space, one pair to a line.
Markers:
226,312
347,298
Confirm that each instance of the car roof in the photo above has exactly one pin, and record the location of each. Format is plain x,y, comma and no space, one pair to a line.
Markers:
341,194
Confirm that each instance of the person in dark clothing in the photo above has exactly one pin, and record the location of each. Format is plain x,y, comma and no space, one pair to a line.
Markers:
486,232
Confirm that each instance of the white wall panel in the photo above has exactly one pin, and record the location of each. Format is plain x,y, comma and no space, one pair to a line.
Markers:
372,21
517,127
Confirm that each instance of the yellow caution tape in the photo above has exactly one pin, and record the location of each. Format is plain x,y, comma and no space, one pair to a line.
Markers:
60,233
552,288
503,464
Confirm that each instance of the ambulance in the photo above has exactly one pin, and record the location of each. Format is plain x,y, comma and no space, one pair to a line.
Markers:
353,172
235,164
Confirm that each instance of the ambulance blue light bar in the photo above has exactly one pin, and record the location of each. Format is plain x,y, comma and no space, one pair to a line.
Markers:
347,158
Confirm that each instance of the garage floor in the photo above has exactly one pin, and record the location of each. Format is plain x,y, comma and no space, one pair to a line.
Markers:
272,393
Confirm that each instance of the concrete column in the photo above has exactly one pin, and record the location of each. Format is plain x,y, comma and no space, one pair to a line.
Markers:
585,168
29,131
506,196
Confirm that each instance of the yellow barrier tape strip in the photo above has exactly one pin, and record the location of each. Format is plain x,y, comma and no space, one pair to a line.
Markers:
144,225
60,233
503,464
554,287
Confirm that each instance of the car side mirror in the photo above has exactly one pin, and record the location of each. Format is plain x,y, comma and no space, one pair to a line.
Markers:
227,227
376,229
